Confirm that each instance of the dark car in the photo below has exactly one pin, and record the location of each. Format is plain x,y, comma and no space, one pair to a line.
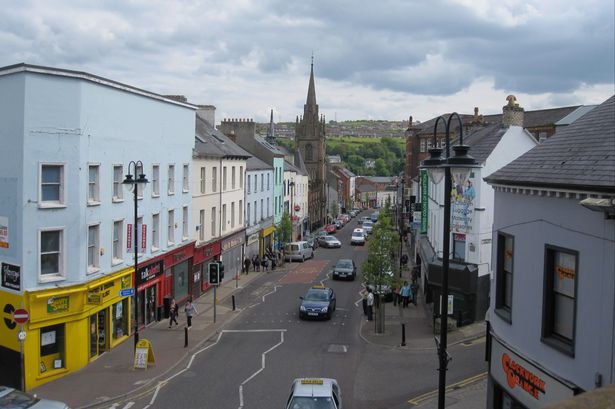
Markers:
318,302
344,268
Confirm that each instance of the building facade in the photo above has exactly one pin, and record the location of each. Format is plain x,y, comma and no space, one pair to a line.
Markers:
259,206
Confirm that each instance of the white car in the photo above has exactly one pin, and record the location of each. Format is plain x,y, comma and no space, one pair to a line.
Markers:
358,237
321,393
12,398
368,227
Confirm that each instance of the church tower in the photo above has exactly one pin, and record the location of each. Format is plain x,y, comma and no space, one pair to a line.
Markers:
310,141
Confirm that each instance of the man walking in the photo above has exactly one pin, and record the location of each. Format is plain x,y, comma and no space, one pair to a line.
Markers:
370,304
191,311
246,264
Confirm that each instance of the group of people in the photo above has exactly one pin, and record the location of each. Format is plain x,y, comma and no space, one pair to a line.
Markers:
269,260
189,309
405,294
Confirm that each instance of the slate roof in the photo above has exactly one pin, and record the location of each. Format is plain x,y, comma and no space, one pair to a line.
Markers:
211,142
299,163
482,141
254,163
579,156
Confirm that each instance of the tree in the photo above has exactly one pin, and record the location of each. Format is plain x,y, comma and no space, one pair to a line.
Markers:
334,209
284,229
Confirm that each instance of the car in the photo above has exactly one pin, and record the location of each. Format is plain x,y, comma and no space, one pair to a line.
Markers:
309,393
339,224
15,399
358,237
298,250
329,241
345,217
364,219
344,268
368,226
374,216
330,228
318,302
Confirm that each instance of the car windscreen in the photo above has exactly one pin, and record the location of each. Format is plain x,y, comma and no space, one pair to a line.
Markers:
344,264
17,400
315,295
316,402
357,234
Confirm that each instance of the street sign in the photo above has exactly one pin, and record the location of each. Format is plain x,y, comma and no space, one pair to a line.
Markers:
21,335
127,292
21,316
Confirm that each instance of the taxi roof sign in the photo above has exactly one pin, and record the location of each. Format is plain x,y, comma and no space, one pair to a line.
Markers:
311,382
318,286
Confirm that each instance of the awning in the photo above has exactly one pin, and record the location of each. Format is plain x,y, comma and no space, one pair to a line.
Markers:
461,277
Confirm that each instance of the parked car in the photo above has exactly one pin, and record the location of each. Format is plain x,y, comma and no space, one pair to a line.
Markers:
358,237
368,226
314,393
339,224
298,250
344,268
329,241
364,219
14,399
330,228
374,216
318,302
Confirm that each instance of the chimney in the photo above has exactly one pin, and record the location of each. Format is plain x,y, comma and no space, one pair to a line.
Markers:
207,113
232,136
512,113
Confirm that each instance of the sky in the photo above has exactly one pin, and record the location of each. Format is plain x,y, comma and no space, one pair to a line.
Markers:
382,59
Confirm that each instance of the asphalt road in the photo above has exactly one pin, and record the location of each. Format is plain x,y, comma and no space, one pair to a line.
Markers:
252,363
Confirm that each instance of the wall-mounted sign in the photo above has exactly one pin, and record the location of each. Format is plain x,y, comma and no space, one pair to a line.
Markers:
424,200
4,232
233,241
11,276
149,272
58,304
462,204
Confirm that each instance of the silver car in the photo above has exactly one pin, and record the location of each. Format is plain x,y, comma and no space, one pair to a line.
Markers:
298,250
329,241
14,399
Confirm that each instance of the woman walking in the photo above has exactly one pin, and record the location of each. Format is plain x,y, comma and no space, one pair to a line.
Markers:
405,294
173,313
191,311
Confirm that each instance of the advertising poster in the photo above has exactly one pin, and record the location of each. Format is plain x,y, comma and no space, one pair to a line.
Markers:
462,203
424,200
4,232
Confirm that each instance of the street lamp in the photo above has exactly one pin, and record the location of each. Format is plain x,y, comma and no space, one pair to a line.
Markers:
291,185
437,168
400,222
133,181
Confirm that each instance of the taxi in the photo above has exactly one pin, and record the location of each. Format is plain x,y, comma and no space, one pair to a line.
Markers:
314,393
318,302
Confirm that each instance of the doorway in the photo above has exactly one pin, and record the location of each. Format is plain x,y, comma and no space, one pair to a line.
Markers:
99,333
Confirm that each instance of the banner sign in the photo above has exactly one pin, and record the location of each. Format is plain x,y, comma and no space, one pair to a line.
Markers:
462,204
424,200
141,238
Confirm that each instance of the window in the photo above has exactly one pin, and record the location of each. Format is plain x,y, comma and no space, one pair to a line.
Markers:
262,212
268,181
185,223
52,185
223,219
156,180
118,228
213,221
241,177
93,176
185,179
214,179
51,254
118,178
249,182
233,177
171,181
171,229
202,225
309,155
155,232
262,180
504,276
52,350
224,179
560,295
248,215
256,183
240,212
255,218
268,213
423,147
459,246
232,215
202,179
93,249
140,186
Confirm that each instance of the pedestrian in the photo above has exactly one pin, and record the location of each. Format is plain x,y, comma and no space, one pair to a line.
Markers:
273,263
173,313
396,295
405,294
265,263
246,264
255,262
370,304
364,301
191,311
414,288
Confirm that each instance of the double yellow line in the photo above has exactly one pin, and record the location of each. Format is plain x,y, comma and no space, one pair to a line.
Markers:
461,384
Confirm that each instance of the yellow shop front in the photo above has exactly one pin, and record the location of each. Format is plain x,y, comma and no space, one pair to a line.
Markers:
71,326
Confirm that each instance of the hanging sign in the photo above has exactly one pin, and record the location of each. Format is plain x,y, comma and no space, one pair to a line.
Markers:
144,354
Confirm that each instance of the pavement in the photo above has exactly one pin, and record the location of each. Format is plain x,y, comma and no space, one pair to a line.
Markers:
119,381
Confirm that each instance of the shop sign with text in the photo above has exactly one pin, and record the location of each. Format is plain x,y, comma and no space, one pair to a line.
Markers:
11,276
149,272
424,200
58,304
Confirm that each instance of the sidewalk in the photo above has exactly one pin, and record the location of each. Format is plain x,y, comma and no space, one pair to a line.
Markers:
114,372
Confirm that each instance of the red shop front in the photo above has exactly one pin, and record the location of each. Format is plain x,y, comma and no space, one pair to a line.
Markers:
202,256
177,267
150,287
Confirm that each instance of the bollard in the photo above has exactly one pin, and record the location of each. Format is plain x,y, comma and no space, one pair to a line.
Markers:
185,337
233,298
403,335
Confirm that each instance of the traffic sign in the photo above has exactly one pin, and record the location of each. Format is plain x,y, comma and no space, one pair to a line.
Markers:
21,316
21,335
125,292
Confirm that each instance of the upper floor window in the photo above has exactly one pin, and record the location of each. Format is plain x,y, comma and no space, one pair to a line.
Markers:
201,225
93,248
155,232
118,178
232,215
223,219
233,177
52,185
202,179
249,183
268,210
51,254
504,275
186,179
262,182
213,221
171,181
241,177
118,229
255,183
268,181
156,180
93,184
214,179
185,223
240,212
224,179
560,298
171,228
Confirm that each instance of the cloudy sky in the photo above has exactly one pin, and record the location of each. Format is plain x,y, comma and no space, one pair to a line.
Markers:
373,59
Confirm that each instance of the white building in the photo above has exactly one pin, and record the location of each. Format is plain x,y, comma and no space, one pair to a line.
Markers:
259,206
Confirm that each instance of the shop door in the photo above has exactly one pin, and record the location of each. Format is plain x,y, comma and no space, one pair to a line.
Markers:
99,333
150,304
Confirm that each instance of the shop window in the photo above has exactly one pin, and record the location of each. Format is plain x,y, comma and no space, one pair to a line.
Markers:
120,319
52,350
560,295
504,276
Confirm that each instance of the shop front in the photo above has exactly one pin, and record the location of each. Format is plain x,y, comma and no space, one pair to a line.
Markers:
232,254
517,383
266,241
69,326
150,285
177,272
201,257
252,242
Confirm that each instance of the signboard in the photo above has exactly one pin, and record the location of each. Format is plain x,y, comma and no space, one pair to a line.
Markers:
11,276
527,383
127,292
424,200
144,354
149,272
58,304
4,232
21,316
449,304
141,239
462,203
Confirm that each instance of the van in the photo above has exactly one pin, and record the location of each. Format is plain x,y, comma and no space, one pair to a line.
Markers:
298,250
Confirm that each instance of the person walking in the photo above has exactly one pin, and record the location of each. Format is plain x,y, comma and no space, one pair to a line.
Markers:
255,261
265,263
414,290
370,304
246,265
405,294
396,295
173,313
191,311
364,301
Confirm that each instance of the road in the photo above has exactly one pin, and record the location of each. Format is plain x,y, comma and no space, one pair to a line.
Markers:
252,362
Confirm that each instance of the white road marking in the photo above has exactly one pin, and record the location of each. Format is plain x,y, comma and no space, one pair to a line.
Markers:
128,405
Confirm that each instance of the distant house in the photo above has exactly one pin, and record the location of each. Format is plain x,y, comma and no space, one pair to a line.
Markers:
332,159
370,163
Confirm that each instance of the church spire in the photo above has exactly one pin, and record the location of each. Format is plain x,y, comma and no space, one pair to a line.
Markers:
311,97
271,131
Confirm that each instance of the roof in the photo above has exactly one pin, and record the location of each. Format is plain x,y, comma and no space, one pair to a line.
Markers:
574,115
299,163
290,167
211,142
483,141
313,386
273,148
580,155
254,163
379,179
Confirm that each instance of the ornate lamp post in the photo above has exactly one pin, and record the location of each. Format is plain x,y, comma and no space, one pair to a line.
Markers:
133,182
437,167
291,185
